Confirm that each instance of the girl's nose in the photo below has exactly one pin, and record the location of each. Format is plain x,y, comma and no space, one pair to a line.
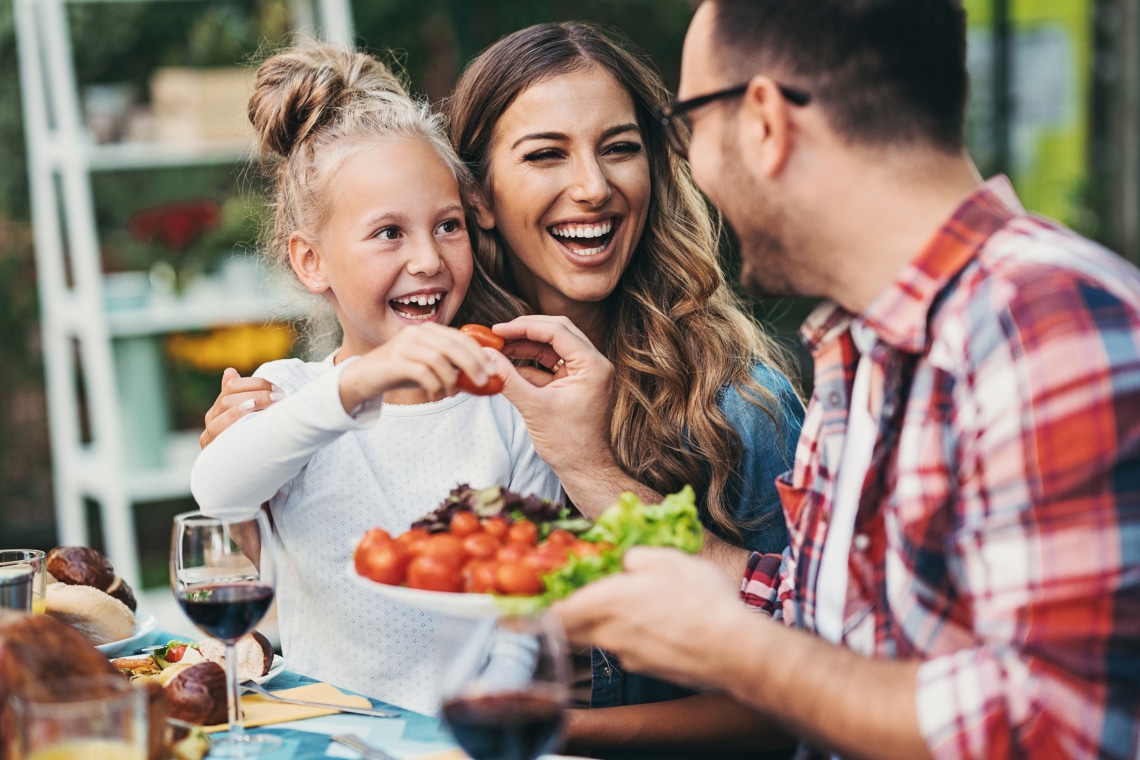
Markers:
424,258
591,185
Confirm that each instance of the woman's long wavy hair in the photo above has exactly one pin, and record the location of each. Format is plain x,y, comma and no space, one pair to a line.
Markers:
677,332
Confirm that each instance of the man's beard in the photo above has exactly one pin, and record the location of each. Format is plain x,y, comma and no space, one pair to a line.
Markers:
764,264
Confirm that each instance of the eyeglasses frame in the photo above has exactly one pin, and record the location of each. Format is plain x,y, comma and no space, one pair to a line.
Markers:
668,114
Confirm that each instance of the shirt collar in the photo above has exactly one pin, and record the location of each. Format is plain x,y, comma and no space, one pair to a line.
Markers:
899,314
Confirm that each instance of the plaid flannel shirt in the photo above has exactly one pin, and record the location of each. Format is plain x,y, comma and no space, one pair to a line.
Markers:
998,532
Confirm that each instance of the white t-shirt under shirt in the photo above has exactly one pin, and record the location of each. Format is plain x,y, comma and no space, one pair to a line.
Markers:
328,477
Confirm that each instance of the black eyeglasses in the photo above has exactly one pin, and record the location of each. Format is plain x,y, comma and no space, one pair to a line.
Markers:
678,127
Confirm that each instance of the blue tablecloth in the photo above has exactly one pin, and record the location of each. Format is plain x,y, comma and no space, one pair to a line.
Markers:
408,737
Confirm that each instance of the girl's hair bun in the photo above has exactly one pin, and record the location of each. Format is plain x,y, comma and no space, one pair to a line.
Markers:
299,92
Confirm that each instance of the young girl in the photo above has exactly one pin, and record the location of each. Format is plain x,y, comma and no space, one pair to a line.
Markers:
370,216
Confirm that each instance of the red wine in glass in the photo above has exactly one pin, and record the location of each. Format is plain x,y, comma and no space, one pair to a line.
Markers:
222,574
510,726
226,611
504,686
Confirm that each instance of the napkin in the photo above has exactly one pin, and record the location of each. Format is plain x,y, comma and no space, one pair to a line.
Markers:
260,711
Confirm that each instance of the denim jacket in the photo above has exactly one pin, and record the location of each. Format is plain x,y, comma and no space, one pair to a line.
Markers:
767,453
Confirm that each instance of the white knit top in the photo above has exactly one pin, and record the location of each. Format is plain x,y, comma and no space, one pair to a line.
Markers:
328,477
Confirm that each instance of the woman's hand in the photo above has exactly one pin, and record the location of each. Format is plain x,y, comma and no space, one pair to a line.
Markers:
567,411
239,396
426,358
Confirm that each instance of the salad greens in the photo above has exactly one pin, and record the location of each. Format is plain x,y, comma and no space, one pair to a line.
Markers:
628,522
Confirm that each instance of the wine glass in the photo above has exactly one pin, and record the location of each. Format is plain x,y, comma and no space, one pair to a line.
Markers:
223,575
504,684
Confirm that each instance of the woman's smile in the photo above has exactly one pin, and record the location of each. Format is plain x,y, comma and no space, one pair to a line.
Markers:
569,189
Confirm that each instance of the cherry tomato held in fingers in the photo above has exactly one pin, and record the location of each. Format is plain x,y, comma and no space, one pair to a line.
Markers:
382,561
487,339
434,574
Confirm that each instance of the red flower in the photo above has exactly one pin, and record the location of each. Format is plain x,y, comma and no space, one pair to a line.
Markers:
177,225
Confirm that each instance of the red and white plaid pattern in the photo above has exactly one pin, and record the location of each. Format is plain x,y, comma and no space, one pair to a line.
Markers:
998,535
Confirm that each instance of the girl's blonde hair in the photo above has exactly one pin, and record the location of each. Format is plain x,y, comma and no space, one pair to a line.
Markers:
313,107
678,334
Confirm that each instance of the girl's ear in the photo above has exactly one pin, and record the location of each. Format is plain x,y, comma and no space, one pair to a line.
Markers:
306,263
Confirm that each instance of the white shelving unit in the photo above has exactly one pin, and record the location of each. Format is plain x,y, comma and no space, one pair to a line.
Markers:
113,349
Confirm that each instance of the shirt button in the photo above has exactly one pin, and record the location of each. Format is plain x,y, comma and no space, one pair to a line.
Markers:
862,541
607,671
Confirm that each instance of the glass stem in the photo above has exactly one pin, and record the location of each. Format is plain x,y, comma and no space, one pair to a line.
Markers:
237,723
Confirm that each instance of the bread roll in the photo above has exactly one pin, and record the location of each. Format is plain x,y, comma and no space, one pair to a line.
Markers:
197,694
254,654
100,617
84,566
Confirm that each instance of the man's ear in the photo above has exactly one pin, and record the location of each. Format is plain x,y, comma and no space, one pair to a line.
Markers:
306,262
765,126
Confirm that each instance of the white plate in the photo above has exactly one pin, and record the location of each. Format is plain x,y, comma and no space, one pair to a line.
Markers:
460,605
275,669
144,624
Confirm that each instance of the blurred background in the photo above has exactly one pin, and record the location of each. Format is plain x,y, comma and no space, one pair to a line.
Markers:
142,289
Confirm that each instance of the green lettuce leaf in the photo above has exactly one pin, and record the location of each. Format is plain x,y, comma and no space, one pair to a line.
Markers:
628,522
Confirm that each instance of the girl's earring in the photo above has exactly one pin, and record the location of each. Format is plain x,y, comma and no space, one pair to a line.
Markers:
316,286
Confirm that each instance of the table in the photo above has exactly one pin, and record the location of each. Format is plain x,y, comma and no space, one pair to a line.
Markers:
413,736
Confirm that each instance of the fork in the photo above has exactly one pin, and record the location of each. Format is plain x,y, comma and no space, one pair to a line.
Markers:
258,689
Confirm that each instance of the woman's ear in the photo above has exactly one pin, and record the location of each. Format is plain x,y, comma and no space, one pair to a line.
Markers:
306,263
482,212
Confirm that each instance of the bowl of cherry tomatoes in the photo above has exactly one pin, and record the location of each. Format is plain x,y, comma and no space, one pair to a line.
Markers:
461,570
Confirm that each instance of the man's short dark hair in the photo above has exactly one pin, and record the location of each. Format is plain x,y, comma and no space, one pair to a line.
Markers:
884,71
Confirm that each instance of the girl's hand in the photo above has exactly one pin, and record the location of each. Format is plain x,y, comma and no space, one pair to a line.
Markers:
427,357
239,396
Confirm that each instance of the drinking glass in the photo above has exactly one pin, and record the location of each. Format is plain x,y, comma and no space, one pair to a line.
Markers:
35,559
82,718
223,576
504,685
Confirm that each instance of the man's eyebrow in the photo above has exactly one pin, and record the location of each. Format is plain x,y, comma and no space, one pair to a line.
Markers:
631,127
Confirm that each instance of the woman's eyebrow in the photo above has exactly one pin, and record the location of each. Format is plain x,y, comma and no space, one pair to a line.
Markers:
631,127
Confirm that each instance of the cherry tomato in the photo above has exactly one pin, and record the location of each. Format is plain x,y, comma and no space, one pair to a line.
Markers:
445,546
374,535
464,524
523,532
484,337
513,552
413,539
582,548
560,537
517,578
497,527
383,561
547,558
479,576
174,654
434,574
481,545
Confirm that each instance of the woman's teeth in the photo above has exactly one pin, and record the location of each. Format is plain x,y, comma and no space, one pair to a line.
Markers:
580,233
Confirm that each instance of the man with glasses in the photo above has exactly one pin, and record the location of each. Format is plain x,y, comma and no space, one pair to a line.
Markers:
963,578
